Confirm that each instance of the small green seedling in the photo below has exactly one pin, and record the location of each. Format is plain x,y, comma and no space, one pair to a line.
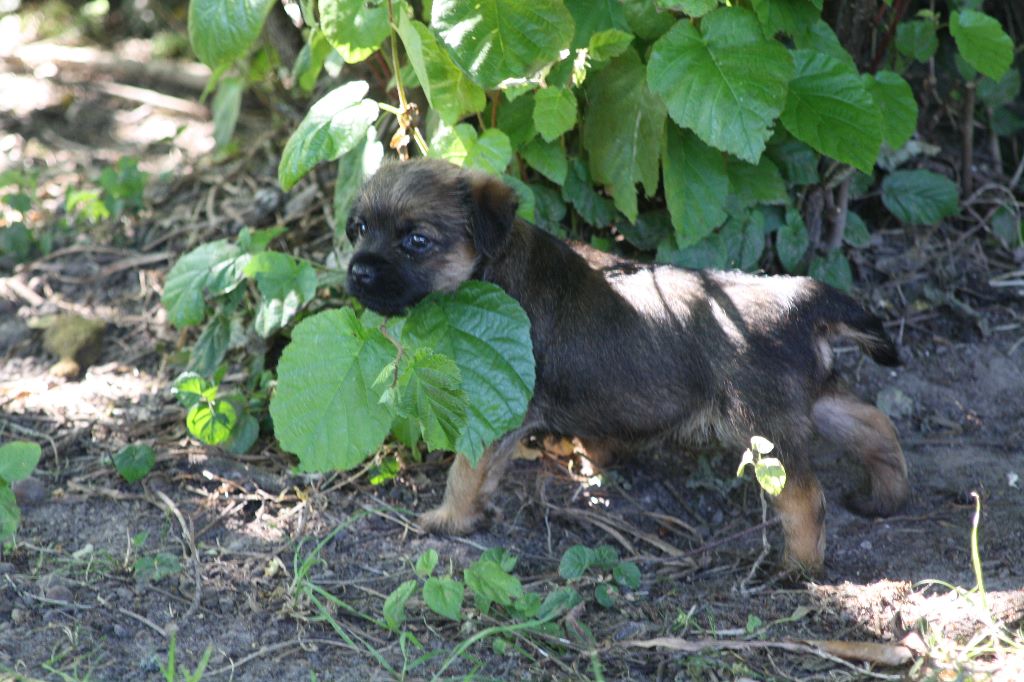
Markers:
770,473
133,462
17,460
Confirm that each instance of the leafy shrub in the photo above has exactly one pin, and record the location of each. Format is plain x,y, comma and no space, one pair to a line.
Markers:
712,134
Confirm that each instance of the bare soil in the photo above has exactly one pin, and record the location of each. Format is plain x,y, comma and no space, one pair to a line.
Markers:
72,607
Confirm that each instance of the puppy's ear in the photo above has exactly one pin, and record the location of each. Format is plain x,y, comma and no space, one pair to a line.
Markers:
492,210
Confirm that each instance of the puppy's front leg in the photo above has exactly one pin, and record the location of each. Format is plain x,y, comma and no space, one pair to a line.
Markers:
465,496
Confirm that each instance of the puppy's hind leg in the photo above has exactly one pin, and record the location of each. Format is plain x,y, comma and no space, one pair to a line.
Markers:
864,430
801,508
468,487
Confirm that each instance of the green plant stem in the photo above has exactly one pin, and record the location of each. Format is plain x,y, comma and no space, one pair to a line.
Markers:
975,554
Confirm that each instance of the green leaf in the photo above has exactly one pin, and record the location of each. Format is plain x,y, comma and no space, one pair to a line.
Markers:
594,16
515,118
133,462
856,233
579,191
210,266
726,82
450,92
709,253
756,183
431,395
696,185
156,567
691,8
821,38
550,208
10,514
625,125
492,40
17,460
490,583
334,125
575,562
792,17
644,20
211,422
791,241
222,31
606,594
896,102
554,112
326,409
524,193
743,237
605,557
190,388
761,445
444,597
244,435
997,93
285,284
490,152
356,28
917,40
558,602
982,41
829,108
211,346
920,197
833,269
310,61
609,44
797,162
487,334
650,229
547,158
502,557
355,166
627,574
770,474
426,563
227,103
394,604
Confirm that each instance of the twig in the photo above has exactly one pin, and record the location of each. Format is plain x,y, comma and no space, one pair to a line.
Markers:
967,150
145,621
186,533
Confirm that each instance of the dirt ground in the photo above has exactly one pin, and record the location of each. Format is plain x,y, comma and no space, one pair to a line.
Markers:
230,529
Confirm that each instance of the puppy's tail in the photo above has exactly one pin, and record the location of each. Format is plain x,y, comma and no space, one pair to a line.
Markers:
848,318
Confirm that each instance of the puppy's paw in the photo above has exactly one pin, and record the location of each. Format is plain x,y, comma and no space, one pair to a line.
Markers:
443,519
877,504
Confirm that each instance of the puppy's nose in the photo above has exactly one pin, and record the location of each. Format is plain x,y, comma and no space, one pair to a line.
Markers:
362,274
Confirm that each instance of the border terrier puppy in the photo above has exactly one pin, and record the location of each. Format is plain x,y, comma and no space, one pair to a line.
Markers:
631,355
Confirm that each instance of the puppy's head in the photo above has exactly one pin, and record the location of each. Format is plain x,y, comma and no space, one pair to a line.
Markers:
421,226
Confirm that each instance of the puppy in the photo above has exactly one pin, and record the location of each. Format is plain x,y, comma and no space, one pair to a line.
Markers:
632,355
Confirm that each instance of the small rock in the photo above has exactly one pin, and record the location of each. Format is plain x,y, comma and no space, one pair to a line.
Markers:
60,593
29,492
629,631
894,403
866,545
120,631
226,604
52,615
124,594
6,567
18,616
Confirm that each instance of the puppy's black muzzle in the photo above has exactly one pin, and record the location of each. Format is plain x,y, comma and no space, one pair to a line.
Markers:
381,285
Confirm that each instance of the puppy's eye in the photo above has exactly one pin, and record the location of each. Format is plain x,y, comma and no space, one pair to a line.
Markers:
416,243
361,228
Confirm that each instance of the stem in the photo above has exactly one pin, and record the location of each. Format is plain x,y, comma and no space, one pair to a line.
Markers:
394,57
899,8
967,159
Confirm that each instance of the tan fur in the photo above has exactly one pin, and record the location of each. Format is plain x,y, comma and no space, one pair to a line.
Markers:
455,267
801,508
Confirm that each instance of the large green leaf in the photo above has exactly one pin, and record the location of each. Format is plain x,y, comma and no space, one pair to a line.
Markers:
547,158
334,125
594,16
726,82
916,39
209,267
821,38
645,20
791,241
625,125
691,8
792,17
490,152
920,197
491,583
492,40
832,269
226,105
829,108
222,31
896,102
354,166
18,459
285,285
450,92
554,112
982,41
515,117
487,334
326,408
579,191
756,183
696,185
10,514
356,28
